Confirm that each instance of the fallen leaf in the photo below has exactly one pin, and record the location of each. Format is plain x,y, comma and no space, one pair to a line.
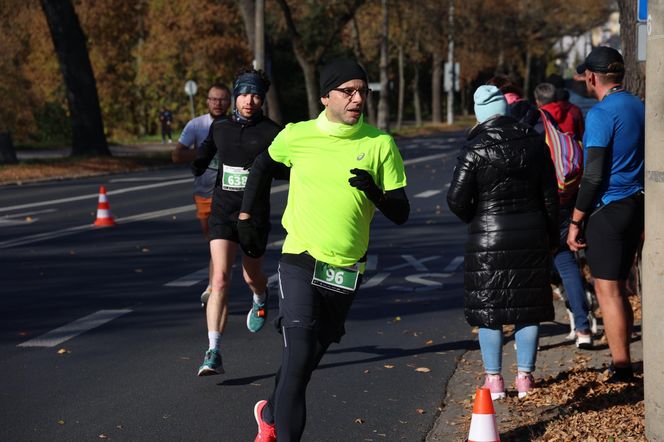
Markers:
420,410
423,369
145,249
429,342
103,436
63,351
388,366
398,318
366,371
61,422
359,421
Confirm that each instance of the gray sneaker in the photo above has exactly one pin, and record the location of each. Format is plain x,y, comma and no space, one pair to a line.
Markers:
205,296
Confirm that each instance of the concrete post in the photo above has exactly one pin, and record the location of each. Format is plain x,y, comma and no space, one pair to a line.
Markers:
653,251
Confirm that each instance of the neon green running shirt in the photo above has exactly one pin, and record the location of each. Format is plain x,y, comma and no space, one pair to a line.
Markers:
325,215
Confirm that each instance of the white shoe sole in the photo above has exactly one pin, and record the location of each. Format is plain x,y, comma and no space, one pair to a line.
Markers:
206,371
522,394
496,396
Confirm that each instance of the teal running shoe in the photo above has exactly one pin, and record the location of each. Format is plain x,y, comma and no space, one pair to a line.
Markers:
211,364
256,317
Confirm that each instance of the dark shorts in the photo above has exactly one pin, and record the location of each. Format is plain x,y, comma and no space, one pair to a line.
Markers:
223,229
613,235
304,305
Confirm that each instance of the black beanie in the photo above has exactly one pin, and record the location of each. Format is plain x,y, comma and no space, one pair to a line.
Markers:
339,71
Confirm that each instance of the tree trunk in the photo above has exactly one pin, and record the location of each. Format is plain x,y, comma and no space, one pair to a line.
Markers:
635,81
417,105
69,42
370,108
383,103
402,89
313,99
436,74
526,74
7,152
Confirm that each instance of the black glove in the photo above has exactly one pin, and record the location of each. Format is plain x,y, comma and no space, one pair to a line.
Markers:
197,167
253,239
363,181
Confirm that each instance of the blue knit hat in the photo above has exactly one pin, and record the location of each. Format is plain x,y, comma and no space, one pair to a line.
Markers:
489,101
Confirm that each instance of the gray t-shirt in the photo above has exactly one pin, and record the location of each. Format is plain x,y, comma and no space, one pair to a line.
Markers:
193,135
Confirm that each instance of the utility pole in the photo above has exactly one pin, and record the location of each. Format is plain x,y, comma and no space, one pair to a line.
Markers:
383,101
450,64
653,255
259,41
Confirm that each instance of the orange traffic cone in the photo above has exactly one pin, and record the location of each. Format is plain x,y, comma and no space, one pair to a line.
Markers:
483,426
104,217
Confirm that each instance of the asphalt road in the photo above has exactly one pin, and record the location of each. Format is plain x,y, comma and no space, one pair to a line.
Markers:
101,330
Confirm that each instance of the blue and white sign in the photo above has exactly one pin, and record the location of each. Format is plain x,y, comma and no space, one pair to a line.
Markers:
642,11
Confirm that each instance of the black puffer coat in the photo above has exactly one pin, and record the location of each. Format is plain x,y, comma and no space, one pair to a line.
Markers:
504,186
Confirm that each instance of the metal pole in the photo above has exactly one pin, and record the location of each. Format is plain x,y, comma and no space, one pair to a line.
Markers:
653,259
259,49
191,106
450,63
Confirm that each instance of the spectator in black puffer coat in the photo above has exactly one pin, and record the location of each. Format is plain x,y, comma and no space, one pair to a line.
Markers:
504,187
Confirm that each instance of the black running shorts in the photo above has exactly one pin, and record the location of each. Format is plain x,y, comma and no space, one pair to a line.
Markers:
613,235
304,305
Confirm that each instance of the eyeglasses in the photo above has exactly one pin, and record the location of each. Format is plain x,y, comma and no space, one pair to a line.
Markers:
218,100
349,92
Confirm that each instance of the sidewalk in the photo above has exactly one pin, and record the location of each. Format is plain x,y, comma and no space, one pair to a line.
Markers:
569,403
116,150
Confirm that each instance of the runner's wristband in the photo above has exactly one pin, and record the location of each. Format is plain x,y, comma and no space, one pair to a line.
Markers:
578,223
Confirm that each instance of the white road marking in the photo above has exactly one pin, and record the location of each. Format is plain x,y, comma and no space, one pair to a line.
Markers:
34,212
423,159
92,195
134,180
375,280
73,329
411,261
427,193
454,264
190,279
72,230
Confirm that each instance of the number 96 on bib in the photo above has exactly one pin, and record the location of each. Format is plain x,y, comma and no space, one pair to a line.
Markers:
337,279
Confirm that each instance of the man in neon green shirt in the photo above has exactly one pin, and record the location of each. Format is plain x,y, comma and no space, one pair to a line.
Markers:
341,170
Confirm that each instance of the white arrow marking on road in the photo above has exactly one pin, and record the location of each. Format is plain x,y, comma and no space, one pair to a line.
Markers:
375,280
423,159
427,193
454,264
73,329
411,261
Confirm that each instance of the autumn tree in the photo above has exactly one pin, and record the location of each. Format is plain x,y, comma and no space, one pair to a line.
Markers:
635,80
70,47
314,27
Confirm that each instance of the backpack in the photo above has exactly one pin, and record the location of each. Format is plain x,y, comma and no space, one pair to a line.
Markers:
567,156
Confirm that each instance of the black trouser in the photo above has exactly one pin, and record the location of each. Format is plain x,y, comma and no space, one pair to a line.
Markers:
310,318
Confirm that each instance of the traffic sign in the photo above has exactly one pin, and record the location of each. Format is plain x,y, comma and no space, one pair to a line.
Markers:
190,88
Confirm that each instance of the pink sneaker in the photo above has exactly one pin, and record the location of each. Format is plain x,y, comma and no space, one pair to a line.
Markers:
266,432
494,382
524,383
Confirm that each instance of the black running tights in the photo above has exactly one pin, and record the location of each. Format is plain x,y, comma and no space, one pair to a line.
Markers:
287,406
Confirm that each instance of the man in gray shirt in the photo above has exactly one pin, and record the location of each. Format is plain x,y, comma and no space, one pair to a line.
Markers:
193,135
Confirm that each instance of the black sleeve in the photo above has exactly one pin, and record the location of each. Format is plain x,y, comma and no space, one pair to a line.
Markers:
204,155
263,170
462,195
593,174
395,206
549,188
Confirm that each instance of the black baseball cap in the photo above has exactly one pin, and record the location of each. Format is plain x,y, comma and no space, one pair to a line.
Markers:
602,60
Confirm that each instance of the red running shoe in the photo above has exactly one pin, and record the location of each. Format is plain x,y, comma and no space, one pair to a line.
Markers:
266,432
